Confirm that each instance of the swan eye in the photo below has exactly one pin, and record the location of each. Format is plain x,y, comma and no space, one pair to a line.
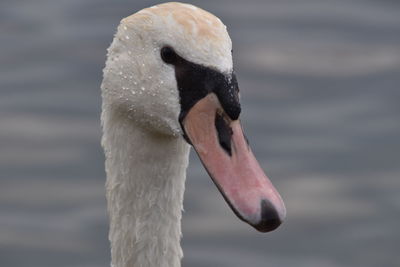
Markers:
168,55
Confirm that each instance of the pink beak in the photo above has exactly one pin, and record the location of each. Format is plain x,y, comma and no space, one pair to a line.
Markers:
226,155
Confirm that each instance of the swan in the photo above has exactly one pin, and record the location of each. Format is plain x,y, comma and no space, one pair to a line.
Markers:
168,84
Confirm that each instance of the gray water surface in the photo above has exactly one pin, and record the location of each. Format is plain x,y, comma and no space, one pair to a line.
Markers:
320,85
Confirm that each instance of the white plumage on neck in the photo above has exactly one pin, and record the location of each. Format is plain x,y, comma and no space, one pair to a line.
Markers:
145,183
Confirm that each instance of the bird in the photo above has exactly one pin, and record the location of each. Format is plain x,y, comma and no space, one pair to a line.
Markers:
169,85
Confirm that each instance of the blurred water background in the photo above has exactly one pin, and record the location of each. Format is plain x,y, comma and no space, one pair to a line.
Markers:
320,84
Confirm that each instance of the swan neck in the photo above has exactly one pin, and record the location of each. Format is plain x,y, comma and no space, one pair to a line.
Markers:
145,184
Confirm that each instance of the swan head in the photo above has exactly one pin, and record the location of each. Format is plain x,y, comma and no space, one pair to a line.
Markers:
138,80
169,70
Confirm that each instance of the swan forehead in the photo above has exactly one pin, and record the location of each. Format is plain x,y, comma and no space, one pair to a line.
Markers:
195,33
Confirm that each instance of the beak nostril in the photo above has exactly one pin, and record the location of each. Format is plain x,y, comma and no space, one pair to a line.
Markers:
224,132
270,219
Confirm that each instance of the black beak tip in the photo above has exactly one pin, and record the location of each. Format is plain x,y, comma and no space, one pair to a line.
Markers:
270,219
